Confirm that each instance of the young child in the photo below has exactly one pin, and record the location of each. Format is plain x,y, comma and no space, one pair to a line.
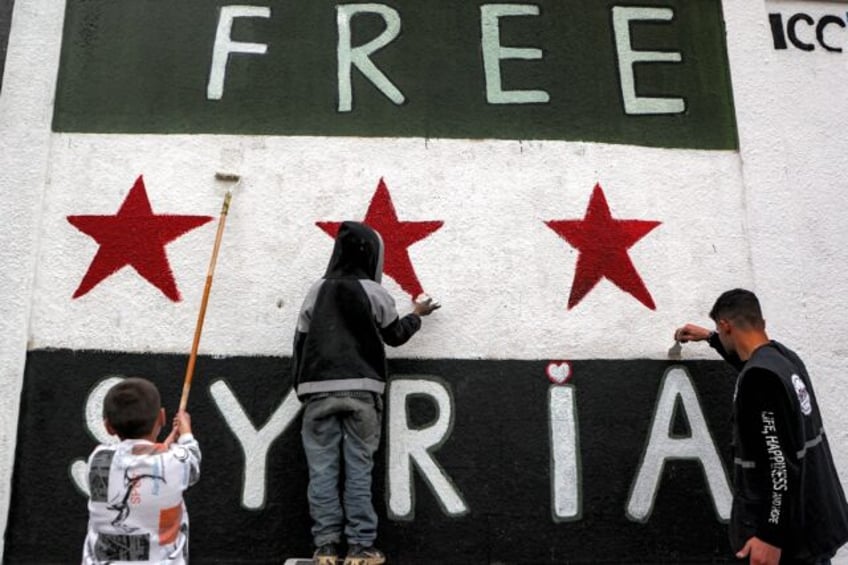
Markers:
136,508
340,374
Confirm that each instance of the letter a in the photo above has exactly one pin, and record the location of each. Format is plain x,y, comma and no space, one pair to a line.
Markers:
662,446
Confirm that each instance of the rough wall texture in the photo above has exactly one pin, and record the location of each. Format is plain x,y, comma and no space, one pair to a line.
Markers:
570,193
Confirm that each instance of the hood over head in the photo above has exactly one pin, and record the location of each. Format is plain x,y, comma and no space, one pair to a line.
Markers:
358,253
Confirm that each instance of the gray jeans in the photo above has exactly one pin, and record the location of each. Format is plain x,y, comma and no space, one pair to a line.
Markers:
336,427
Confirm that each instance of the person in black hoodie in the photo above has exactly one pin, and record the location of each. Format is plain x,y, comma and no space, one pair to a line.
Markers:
340,373
788,503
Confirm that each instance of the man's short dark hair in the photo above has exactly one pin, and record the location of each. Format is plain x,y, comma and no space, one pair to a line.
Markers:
131,407
739,306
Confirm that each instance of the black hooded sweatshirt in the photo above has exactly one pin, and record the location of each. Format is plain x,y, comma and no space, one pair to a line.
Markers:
346,318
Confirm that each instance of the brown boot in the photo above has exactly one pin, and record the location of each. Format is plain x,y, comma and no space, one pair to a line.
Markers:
361,555
327,554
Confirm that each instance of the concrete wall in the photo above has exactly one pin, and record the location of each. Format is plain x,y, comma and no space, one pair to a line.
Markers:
792,164
491,215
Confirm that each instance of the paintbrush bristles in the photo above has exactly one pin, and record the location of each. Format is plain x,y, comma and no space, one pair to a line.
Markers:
229,177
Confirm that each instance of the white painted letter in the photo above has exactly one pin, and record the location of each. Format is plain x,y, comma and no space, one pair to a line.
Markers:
254,443
94,425
408,446
360,56
493,53
662,446
627,57
224,45
565,450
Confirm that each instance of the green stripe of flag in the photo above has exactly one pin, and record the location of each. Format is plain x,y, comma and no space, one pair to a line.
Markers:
651,73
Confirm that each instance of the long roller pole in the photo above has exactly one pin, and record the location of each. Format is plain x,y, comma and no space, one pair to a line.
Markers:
192,359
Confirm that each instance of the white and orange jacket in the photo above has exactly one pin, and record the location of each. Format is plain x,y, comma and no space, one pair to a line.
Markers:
136,509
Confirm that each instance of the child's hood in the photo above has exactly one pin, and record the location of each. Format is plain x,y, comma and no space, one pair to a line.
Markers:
358,253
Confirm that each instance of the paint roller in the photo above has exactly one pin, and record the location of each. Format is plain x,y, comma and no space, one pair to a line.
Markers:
234,181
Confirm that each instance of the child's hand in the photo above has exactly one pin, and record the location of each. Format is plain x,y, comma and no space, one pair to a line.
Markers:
182,423
172,437
425,304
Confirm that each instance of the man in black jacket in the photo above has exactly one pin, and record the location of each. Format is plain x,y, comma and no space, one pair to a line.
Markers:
788,504
340,374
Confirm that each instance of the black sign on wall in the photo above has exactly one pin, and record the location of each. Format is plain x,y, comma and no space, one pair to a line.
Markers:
5,24
806,32
510,425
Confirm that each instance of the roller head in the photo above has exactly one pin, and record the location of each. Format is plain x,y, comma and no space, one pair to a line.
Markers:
227,177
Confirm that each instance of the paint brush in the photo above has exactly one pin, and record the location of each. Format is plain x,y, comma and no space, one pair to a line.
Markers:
675,351
225,208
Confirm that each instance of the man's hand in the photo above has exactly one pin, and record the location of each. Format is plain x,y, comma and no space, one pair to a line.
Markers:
424,305
760,553
691,332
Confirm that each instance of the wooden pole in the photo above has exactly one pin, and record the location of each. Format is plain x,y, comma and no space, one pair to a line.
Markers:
205,300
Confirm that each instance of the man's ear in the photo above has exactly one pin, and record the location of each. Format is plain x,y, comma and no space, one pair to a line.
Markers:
109,427
161,420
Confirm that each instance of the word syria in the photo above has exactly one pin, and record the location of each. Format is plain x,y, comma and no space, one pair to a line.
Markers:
584,447
411,447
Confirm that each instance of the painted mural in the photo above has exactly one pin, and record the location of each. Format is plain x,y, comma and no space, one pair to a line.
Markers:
513,461
559,175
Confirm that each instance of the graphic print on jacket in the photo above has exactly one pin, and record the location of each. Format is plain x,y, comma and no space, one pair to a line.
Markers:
346,318
136,508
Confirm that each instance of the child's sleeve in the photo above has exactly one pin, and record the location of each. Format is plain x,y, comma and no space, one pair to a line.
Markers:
304,320
186,452
401,329
394,330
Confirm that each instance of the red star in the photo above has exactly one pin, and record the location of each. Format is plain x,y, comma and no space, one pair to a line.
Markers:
603,243
135,236
397,237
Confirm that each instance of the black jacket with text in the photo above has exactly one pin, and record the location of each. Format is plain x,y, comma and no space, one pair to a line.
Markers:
786,487
346,318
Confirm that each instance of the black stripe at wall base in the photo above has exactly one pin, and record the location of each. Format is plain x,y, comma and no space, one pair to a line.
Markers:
497,454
